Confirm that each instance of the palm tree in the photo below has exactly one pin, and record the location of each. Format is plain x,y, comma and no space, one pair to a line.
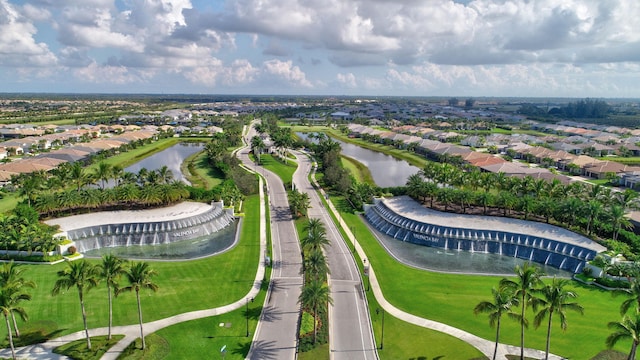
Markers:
316,235
139,277
257,145
78,175
593,210
634,291
314,295
503,301
83,276
628,328
618,219
165,175
111,269
10,298
528,278
11,277
103,172
316,264
555,299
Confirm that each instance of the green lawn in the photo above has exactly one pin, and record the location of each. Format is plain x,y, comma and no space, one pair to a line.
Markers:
450,298
183,286
357,169
284,171
202,175
132,156
192,339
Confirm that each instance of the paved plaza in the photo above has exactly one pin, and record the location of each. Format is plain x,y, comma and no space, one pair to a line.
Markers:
170,213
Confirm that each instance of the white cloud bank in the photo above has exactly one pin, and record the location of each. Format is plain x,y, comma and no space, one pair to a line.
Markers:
389,47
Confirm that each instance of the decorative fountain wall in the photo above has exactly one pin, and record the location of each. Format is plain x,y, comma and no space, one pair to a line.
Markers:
544,250
165,231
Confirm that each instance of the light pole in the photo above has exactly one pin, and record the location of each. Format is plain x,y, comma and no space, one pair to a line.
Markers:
378,310
247,314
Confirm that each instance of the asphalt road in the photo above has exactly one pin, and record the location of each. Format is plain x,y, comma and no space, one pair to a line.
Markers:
350,327
276,336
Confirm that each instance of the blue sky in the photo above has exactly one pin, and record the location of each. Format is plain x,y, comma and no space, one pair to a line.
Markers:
568,48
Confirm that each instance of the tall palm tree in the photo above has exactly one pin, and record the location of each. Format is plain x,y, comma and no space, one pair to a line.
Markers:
111,269
524,287
556,299
11,277
634,291
83,276
627,329
10,298
79,175
165,174
316,264
503,301
617,216
103,172
313,295
316,235
139,276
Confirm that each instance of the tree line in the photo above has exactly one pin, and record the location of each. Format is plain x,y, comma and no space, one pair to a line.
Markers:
595,211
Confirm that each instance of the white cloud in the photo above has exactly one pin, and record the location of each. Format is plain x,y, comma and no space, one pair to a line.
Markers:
17,44
240,72
348,80
100,74
285,70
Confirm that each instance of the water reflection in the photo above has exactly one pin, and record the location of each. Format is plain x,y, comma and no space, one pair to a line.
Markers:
386,170
171,157
438,259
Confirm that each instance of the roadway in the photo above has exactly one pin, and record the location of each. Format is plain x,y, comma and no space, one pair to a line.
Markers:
350,330
276,334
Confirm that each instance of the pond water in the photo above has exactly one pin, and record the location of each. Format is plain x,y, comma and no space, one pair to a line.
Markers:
386,170
178,250
172,157
453,261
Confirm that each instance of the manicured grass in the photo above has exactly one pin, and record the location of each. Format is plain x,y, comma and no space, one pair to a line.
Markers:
183,286
359,171
78,349
156,348
132,156
450,298
284,171
193,339
201,174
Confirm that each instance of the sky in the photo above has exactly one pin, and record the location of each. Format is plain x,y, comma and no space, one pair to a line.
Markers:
509,48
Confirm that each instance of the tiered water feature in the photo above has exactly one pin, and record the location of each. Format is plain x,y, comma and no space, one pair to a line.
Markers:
186,230
404,219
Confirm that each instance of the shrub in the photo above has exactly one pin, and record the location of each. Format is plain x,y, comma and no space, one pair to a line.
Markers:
72,250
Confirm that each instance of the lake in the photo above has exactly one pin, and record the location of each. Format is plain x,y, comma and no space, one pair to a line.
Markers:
386,170
172,157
